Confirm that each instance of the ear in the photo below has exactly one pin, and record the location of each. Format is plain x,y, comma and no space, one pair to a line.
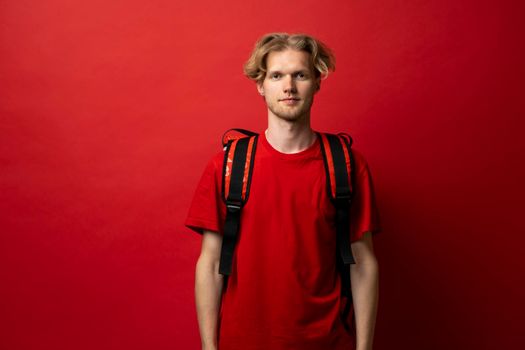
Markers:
317,84
260,88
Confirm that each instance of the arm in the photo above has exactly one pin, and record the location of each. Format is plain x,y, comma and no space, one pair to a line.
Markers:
364,280
208,288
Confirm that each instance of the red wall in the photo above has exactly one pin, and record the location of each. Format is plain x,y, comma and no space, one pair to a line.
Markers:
110,109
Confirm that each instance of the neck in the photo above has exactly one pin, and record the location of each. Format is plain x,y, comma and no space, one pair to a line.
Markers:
289,137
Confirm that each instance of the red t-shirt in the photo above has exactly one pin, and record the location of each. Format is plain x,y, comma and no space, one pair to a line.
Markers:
284,290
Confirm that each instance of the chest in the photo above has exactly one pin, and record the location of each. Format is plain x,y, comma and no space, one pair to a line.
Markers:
284,189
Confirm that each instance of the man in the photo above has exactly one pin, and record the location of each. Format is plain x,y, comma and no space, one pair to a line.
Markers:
284,289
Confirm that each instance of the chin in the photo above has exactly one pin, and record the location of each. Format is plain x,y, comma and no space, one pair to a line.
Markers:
293,117
287,114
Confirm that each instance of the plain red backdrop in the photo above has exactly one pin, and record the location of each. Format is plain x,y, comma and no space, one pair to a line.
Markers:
111,109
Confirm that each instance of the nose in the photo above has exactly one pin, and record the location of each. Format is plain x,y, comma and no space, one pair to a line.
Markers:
289,84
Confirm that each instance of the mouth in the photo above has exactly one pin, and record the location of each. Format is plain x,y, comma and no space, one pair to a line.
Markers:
292,101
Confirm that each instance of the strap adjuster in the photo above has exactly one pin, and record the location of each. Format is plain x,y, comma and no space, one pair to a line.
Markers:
343,193
233,206
344,198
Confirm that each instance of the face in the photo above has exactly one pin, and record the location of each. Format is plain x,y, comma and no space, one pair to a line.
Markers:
290,84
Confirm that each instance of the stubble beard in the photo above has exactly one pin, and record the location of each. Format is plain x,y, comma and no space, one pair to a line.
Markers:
291,114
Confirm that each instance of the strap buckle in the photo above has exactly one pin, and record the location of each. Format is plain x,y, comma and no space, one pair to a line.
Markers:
233,206
343,197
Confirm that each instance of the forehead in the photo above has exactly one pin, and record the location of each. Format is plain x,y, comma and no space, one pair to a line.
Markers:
288,59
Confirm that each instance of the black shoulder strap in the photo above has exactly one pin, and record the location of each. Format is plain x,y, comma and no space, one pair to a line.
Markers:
229,136
339,167
239,156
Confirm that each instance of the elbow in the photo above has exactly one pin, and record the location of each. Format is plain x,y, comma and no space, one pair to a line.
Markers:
208,263
365,266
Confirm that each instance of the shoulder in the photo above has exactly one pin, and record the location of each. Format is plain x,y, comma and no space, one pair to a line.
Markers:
218,158
360,161
215,162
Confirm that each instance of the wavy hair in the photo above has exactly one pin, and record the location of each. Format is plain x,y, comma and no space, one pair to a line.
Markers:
321,57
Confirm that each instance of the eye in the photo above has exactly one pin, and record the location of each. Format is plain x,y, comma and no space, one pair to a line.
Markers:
275,75
301,75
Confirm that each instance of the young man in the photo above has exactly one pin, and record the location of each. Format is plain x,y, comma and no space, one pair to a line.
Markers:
284,291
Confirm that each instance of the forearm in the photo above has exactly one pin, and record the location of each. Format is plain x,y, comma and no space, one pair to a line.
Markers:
208,289
364,278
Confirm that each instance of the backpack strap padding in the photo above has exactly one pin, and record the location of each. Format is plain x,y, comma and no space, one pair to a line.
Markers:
237,170
339,166
226,137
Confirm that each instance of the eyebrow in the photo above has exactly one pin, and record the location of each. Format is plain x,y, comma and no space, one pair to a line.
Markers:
297,71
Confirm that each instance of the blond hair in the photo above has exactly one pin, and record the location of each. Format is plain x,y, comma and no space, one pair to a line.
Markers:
321,57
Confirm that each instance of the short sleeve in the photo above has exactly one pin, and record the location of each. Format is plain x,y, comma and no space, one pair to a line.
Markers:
207,210
364,214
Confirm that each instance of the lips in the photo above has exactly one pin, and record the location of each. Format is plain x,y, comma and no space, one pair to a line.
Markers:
292,101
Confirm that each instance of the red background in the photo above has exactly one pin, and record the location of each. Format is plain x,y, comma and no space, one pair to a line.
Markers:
110,110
